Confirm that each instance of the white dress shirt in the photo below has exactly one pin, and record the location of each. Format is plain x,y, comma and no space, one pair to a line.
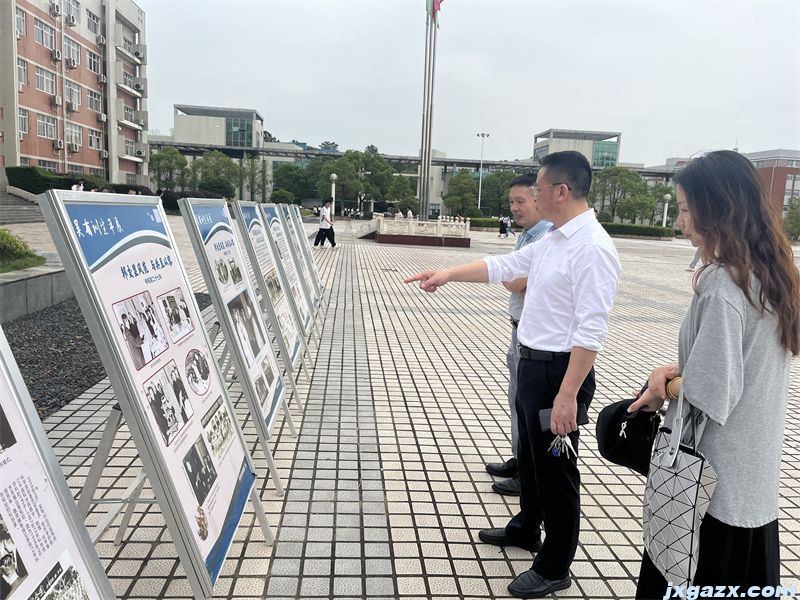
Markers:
573,273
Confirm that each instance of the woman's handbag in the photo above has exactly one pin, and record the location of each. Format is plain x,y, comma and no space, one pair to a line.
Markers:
676,498
625,438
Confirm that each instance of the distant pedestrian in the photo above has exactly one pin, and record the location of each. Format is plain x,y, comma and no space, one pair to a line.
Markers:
697,256
503,228
78,187
325,226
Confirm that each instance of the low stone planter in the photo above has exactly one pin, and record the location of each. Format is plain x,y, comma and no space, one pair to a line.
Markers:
26,291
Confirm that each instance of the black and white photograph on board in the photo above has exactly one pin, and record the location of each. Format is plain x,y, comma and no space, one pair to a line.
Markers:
140,328
266,366
261,389
247,326
221,271
176,314
7,437
12,570
274,286
68,587
200,470
197,372
218,427
169,402
236,272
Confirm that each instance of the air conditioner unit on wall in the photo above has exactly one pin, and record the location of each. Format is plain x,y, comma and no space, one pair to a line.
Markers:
55,9
102,117
102,78
20,87
138,86
55,101
103,153
141,152
21,135
72,63
55,54
72,147
101,39
72,21
71,106
58,144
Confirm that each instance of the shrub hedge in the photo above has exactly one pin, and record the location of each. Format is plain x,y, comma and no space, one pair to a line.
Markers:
36,180
12,247
169,200
640,230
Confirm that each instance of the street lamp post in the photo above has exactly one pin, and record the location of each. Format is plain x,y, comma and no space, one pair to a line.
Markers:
333,194
667,198
483,137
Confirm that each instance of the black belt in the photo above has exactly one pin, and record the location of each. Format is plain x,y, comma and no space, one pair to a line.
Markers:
540,355
514,322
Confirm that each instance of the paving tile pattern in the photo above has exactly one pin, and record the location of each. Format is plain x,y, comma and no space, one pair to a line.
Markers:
385,483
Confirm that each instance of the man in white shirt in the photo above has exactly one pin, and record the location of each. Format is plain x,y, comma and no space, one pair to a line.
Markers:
573,273
78,186
325,226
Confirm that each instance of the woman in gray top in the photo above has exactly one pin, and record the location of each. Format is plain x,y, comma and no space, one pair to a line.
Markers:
742,328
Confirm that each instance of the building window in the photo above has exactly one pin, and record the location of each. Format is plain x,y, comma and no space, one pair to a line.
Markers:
92,22
21,25
45,81
72,49
24,161
97,172
604,154
72,8
23,120
46,126
22,71
95,101
130,147
127,44
129,113
74,169
93,61
127,79
44,34
130,178
49,165
72,92
73,134
238,132
95,139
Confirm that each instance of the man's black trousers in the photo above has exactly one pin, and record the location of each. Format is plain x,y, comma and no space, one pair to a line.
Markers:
550,484
324,234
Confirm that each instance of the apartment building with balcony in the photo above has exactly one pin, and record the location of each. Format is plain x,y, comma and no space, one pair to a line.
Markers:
73,87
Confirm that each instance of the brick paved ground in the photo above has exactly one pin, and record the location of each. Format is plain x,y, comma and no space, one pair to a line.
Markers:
385,483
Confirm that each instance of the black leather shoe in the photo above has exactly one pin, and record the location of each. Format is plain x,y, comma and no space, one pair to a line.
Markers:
532,585
508,487
499,537
506,469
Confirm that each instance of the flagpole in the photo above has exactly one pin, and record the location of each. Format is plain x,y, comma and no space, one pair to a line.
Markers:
434,29
424,139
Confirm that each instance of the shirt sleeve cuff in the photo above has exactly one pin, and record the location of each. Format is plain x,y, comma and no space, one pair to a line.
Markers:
494,272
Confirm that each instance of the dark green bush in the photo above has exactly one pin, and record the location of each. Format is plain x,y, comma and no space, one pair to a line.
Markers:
642,230
12,247
124,188
484,222
37,181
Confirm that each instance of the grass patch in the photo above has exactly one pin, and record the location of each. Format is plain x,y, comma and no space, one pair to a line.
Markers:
25,262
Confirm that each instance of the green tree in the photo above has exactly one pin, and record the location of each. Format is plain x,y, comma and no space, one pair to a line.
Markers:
166,166
251,172
494,195
313,170
657,192
401,193
462,194
348,185
218,185
294,179
282,197
371,149
374,173
213,167
792,219
330,147
611,185
640,207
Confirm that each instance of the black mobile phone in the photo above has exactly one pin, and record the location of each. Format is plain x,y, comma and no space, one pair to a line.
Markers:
545,413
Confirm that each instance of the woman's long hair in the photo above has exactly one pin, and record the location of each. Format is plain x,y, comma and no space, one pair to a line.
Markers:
744,235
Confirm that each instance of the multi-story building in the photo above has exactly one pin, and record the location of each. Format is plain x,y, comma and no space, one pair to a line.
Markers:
601,148
779,171
73,87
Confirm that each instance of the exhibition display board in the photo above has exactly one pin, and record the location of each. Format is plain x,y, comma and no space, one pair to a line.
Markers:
293,236
278,305
45,550
122,260
305,246
287,270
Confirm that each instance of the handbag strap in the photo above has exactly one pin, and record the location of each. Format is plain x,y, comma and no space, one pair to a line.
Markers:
698,424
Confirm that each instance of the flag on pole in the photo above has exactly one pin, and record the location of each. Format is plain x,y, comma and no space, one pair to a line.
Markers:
433,7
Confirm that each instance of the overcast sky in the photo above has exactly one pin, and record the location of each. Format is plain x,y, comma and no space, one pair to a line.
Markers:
676,78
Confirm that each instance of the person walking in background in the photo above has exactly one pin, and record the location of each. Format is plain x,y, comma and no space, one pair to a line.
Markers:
325,226
734,348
